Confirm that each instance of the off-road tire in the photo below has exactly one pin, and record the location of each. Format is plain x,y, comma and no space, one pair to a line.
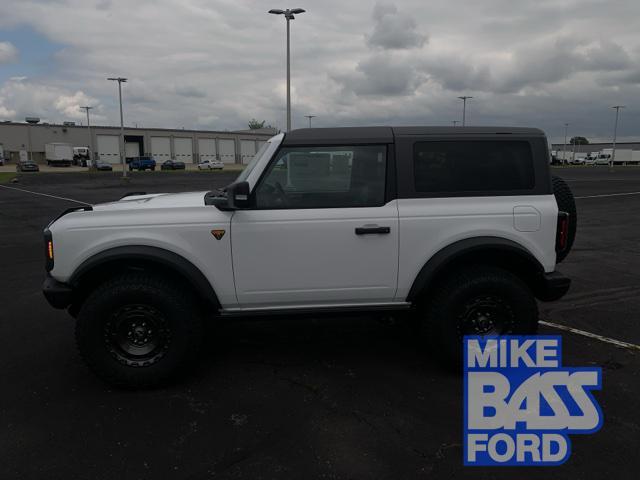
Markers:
178,324
566,203
443,315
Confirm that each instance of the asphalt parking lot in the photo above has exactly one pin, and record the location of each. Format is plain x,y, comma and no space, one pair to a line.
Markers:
332,398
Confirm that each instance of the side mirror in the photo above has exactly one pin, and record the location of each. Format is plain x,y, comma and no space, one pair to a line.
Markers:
238,195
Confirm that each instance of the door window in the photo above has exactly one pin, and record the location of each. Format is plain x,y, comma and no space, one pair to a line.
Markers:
324,177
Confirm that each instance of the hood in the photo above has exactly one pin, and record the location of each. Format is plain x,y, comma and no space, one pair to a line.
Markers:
155,200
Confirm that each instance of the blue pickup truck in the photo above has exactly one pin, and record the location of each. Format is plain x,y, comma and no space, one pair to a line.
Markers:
142,163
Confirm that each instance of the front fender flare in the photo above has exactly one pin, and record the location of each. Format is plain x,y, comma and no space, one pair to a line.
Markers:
160,256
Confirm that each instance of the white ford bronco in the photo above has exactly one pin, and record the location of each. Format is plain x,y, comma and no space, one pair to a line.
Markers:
459,227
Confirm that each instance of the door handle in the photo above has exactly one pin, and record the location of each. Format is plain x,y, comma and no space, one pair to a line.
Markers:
372,230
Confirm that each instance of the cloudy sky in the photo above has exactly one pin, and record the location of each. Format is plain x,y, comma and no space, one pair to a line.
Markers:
214,64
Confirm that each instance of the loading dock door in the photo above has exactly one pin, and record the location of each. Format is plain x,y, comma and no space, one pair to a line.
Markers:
207,149
131,149
183,149
109,148
247,150
227,150
161,148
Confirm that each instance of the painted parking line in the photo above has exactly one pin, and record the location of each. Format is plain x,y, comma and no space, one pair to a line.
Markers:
609,195
612,341
45,195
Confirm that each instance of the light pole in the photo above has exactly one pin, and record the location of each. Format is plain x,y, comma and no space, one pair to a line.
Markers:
615,135
564,148
288,15
86,109
310,117
464,99
120,81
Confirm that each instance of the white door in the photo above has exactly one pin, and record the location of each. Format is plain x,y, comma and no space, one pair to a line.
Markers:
183,149
131,149
207,149
321,231
161,149
247,150
109,148
227,150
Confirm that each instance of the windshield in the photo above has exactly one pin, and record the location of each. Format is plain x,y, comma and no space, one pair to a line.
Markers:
256,158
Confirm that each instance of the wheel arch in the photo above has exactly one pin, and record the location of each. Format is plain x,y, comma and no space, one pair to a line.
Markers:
106,263
494,251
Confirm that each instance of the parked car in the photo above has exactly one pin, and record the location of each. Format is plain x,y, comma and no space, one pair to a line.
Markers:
103,166
27,166
172,165
603,159
142,163
210,165
578,161
464,236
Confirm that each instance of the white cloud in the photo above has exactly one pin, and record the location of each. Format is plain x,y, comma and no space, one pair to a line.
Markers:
21,98
8,52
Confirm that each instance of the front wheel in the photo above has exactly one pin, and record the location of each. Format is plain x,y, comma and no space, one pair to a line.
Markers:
481,300
139,330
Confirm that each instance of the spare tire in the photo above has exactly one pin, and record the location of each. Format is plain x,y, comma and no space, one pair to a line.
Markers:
566,203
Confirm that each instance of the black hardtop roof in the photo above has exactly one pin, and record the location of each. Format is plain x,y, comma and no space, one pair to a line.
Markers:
364,135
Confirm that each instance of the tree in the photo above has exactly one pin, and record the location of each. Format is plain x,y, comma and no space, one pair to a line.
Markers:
255,124
578,141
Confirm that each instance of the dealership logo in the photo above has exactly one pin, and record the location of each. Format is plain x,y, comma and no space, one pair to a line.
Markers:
521,404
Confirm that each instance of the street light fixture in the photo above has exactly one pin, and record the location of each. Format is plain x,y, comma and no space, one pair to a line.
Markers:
120,81
310,117
464,99
86,109
288,15
615,136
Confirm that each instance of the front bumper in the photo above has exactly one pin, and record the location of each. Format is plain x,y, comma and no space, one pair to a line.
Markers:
552,286
58,294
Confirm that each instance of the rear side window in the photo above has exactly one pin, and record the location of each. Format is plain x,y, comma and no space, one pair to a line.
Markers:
472,166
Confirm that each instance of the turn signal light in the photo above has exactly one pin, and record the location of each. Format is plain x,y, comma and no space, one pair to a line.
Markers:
48,250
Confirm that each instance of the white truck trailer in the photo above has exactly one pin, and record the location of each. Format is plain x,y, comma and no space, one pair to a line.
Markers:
59,154
623,156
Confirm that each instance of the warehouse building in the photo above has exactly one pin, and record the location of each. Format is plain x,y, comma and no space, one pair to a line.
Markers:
189,146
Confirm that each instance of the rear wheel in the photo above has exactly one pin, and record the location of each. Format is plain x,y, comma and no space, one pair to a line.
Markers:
481,300
138,330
